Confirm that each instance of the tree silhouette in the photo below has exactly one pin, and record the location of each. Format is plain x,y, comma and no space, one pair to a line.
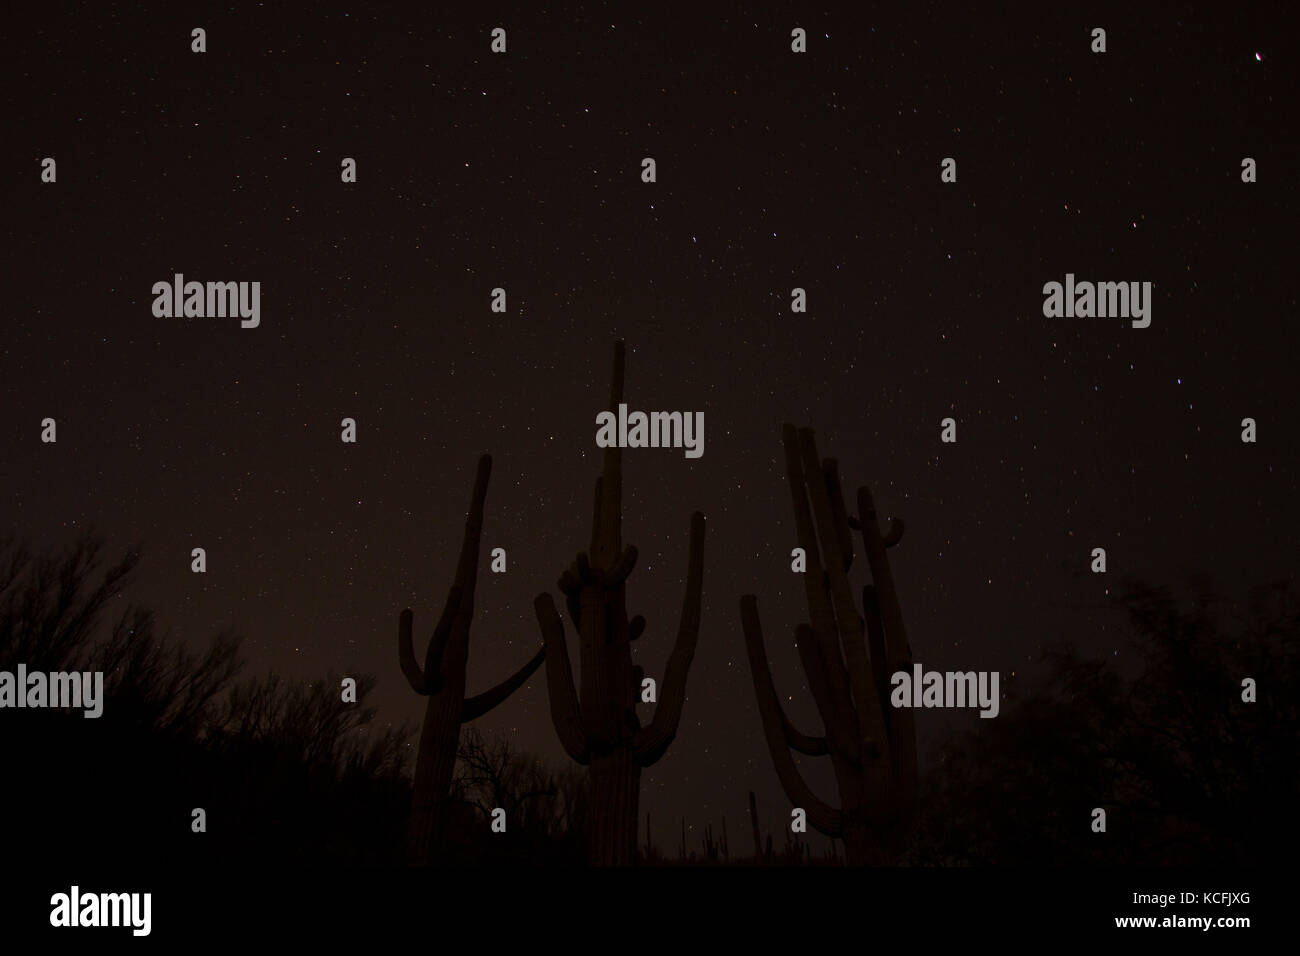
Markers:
546,807
1187,771
282,769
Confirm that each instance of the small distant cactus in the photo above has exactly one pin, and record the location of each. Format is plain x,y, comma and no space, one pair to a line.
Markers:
442,680
651,851
711,849
753,822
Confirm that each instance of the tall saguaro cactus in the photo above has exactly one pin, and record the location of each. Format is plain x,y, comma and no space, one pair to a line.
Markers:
442,680
599,728
872,746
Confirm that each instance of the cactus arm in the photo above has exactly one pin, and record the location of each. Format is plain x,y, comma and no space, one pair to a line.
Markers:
892,536
876,642
820,612
626,562
480,704
824,818
566,714
841,728
805,531
830,610
441,635
798,741
653,740
430,681
869,716
801,742
571,588
844,537
406,654
846,619
898,652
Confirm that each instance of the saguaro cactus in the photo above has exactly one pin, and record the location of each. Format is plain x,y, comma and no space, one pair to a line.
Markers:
443,681
871,745
600,728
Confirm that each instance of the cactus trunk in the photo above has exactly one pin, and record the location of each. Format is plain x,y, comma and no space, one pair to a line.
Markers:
615,781
434,766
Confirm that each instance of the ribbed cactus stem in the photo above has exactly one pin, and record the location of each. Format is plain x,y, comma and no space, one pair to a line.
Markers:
615,792
434,768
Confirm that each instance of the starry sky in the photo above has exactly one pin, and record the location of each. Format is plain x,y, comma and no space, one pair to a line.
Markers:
775,170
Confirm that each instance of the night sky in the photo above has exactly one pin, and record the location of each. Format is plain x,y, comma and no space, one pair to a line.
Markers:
775,170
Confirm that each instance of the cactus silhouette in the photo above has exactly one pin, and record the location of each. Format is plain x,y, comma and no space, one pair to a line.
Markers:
872,747
443,681
600,728
753,823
